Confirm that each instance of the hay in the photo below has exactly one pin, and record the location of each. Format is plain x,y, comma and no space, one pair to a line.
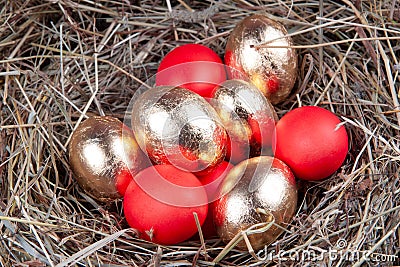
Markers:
62,60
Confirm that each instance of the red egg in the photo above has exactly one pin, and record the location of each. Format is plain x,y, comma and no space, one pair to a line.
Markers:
211,183
160,204
212,180
192,66
311,142
122,180
262,128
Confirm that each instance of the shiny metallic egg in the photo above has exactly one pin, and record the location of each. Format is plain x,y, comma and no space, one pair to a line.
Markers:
273,70
179,127
248,117
258,190
103,156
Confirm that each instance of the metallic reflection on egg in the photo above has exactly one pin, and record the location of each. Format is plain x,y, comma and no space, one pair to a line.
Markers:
255,191
248,117
176,126
100,148
272,70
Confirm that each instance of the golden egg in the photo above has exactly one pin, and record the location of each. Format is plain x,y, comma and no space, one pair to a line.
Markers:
103,156
179,127
248,117
258,190
272,70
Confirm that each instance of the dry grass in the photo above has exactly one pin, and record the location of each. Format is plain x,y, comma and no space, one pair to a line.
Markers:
63,60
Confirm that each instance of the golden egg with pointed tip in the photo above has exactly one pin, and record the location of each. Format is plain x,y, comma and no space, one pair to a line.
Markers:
103,156
179,127
257,193
272,69
248,117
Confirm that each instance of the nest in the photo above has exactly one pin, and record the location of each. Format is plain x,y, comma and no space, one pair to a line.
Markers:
62,61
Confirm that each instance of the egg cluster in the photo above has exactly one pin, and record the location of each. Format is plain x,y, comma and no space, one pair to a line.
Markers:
205,144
